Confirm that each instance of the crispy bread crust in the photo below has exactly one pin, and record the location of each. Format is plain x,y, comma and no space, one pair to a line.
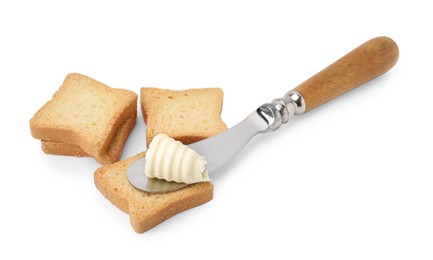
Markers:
60,148
111,155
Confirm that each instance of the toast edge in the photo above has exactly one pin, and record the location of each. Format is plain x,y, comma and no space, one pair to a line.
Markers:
112,154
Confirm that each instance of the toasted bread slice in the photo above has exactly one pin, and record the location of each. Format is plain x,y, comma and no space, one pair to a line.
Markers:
185,115
112,155
147,210
86,113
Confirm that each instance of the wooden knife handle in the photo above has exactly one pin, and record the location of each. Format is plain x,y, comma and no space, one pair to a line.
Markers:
364,63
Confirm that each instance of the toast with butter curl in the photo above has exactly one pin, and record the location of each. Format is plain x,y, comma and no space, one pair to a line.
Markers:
146,210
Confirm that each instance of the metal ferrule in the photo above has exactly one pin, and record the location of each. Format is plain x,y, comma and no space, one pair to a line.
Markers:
281,110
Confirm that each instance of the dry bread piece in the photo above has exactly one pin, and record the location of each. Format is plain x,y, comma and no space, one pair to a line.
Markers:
185,115
113,153
147,210
86,113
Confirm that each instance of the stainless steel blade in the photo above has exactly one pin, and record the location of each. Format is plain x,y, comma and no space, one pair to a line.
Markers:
218,150
139,180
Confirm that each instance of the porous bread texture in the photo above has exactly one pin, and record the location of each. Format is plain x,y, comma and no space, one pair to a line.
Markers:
60,148
86,113
147,210
185,115
113,153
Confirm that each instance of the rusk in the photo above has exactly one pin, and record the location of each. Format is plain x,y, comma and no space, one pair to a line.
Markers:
86,113
185,115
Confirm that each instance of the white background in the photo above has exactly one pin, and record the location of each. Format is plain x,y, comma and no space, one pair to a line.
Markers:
351,180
